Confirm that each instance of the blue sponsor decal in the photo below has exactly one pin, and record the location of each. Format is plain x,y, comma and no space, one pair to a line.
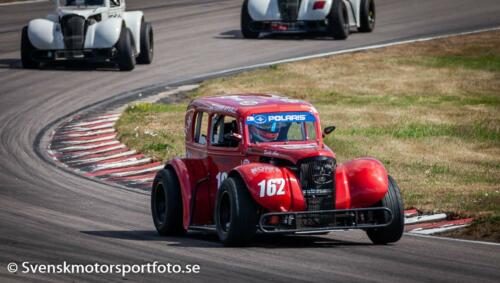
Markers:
283,117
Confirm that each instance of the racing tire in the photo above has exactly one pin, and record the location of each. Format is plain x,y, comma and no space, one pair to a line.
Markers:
368,16
393,232
166,204
27,50
338,20
236,214
125,48
247,23
147,44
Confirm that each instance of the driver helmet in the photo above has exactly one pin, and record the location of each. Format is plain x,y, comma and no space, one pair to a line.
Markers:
265,132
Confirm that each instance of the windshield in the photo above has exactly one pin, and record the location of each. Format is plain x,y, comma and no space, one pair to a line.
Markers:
281,127
84,3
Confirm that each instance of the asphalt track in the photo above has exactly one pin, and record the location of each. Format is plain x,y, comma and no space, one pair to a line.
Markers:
49,216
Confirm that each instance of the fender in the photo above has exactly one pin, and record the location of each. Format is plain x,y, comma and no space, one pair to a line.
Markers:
104,34
360,183
188,180
45,34
268,10
133,21
353,8
274,188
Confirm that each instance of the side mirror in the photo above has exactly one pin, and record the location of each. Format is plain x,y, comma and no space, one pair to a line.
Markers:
328,130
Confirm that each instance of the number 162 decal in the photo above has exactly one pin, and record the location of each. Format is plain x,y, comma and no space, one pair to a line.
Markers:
272,187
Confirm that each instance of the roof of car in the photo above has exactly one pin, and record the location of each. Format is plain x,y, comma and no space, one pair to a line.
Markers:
242,104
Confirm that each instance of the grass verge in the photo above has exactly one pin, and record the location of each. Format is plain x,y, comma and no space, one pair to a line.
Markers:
430,111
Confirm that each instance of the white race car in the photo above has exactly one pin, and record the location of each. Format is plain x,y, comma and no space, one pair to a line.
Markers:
334,17
94,30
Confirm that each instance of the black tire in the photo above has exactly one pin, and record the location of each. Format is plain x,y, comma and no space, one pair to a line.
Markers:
368,16
27,51
166,204
147,44
247,23
125,48
338,20
393,232
235,213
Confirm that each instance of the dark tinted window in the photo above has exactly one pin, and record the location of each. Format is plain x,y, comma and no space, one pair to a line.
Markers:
222,129
84,2
115,3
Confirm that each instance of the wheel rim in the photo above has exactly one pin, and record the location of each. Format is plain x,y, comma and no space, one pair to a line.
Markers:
225,212
160,204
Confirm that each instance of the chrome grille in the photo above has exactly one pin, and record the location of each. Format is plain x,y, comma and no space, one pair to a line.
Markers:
73,28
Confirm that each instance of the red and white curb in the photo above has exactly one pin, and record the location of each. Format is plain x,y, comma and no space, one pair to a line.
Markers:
89,147
432,224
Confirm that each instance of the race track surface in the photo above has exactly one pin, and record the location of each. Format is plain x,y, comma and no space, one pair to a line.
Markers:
49,216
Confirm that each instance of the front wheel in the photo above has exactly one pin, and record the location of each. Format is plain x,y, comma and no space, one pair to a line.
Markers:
235,213
125,48
166,204
27,51
247,23
338,20
368,16
393,232
147,44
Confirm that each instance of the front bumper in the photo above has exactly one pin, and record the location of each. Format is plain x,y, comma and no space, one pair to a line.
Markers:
291,27
325,220
95,55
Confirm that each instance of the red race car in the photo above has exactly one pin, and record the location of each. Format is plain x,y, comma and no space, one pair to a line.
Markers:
257,163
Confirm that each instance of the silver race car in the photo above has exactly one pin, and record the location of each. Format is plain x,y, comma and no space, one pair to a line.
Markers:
333,17
94,30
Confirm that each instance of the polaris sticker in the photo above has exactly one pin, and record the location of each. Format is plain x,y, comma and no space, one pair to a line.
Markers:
259,119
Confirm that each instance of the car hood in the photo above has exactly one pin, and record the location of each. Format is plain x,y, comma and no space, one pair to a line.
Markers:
291,152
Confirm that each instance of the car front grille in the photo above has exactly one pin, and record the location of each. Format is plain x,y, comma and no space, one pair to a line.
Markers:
317,178
289,9
74,28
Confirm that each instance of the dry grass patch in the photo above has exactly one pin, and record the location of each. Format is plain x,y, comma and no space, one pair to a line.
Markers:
430,111
154,129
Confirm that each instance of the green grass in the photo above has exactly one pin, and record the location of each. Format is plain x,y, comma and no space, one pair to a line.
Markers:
488,62
147,108
477,131
153,129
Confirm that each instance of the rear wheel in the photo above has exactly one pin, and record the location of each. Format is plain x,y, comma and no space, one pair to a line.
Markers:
125,48
27,51
147,44
394,231
166,204
339,20
236,213
247,23
368,16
